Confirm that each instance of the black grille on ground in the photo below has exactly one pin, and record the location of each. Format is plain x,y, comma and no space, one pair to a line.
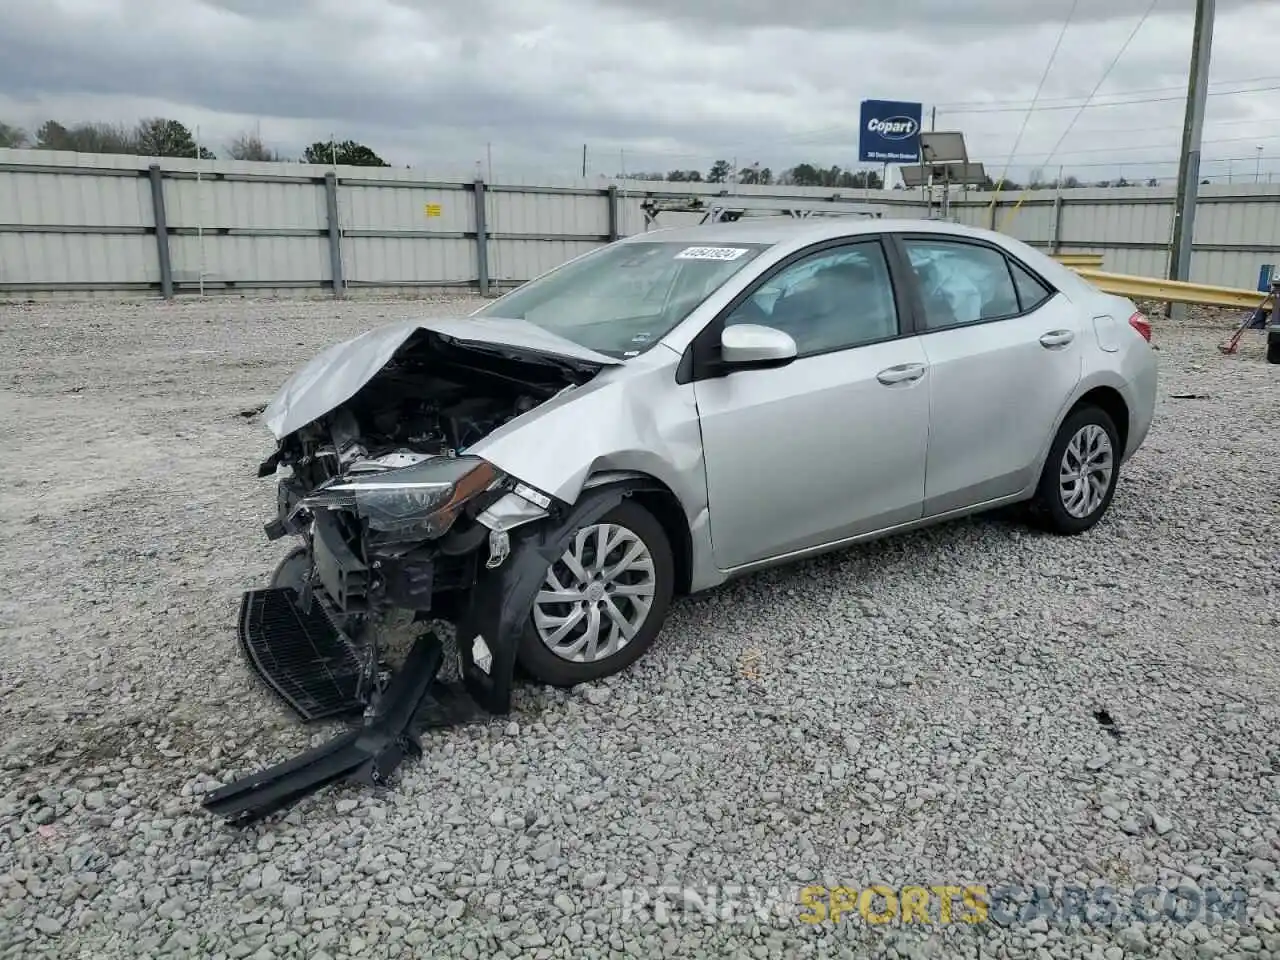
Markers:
300,655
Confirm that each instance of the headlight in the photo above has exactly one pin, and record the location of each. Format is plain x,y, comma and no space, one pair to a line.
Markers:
419,501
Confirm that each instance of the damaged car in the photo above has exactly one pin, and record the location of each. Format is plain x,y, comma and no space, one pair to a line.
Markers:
649,420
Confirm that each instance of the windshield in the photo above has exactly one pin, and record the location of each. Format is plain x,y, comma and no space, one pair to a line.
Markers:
622,298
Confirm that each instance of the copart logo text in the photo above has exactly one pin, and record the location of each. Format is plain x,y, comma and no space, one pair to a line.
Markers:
893,128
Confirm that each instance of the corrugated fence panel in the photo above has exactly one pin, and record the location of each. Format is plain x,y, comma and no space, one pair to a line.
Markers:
392,261
1133,260
519,260
284,261
237,204
1031,223
417,259
405,208
91,229
108,262
569,215
549,214
74,200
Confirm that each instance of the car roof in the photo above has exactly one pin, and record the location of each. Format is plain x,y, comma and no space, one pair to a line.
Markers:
803,230
793,233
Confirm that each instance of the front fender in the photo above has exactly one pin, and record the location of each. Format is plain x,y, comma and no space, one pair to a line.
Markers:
501,599
632,420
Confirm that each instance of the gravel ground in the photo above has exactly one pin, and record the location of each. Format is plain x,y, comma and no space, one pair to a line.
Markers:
923,711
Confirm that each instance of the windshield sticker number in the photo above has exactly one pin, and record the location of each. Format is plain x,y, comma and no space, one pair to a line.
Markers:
711,253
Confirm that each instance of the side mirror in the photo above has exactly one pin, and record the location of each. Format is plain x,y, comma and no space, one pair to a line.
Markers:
753,346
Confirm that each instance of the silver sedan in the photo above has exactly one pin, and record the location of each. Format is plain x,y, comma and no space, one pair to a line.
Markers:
690,405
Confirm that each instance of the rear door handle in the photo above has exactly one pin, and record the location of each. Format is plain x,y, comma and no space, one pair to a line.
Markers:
902,373
1056,338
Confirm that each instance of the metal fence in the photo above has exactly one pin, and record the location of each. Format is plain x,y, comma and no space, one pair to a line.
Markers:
80,225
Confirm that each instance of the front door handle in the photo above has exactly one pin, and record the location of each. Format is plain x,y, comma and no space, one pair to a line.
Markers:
902,373
1056,338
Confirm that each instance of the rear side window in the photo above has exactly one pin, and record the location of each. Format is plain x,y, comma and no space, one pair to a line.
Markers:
1031,291
962,283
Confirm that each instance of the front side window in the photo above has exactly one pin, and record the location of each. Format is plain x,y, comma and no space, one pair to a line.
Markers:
961,282
623,298
836,298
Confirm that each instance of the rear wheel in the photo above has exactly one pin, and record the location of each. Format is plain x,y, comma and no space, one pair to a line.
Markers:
1080,474
603,602
1273,348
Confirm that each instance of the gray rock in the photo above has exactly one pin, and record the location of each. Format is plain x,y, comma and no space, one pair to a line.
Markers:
48,925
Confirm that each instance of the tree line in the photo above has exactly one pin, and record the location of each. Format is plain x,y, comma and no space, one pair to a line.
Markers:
162,137
812,175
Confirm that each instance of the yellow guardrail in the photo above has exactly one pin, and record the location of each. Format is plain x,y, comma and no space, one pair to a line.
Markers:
1172,291
1093,260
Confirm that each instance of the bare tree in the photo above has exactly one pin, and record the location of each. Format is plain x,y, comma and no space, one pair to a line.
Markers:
161,137
86,138
249,146
11,136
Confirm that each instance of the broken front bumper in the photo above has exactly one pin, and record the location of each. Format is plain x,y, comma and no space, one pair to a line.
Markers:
315,669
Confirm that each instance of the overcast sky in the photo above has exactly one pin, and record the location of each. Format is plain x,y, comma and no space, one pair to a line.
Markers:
649,84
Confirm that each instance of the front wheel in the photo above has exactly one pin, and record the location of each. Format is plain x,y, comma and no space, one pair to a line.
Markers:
603,602
294,570
1080,474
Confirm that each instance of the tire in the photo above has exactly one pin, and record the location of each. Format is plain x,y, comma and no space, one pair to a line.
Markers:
1273,348
633,524
1053,507
293,570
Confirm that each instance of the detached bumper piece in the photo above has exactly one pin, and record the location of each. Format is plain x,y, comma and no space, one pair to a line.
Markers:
300,655
413,701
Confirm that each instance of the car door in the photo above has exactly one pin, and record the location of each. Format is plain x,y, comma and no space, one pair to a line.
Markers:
1004,352
832,444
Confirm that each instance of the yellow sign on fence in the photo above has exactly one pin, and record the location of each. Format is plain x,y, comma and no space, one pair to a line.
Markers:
431,209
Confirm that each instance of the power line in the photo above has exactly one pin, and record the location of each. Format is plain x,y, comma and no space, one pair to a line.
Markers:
1039,87
1168,126
1070,101
1119,103
1096,87
1152,146
820,133
1146,162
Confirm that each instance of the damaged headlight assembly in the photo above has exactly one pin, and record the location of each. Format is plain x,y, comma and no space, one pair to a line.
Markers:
400,508
418,502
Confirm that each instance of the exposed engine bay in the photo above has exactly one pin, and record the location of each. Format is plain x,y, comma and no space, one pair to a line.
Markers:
382,488
425,403
396,519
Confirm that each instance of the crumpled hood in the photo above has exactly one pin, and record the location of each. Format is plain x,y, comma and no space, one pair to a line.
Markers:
333,377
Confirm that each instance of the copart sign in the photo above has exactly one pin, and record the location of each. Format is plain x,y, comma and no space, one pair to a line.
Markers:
889,132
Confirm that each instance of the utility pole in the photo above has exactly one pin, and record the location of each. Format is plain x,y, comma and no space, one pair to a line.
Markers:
1184,216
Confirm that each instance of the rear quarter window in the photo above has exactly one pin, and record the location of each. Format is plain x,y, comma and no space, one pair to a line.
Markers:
1032,291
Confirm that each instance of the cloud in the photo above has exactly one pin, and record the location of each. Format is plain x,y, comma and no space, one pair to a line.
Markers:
647,84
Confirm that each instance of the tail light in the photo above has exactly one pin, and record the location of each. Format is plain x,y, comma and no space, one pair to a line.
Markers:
1140,323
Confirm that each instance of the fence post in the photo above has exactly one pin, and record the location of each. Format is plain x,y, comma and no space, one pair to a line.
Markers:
995,206
162,230
482,239
613,213
335,234
1057,224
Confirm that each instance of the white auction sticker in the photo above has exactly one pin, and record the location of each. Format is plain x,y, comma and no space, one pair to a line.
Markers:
711,253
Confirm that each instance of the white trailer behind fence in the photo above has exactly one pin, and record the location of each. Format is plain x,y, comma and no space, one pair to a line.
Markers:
84,225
